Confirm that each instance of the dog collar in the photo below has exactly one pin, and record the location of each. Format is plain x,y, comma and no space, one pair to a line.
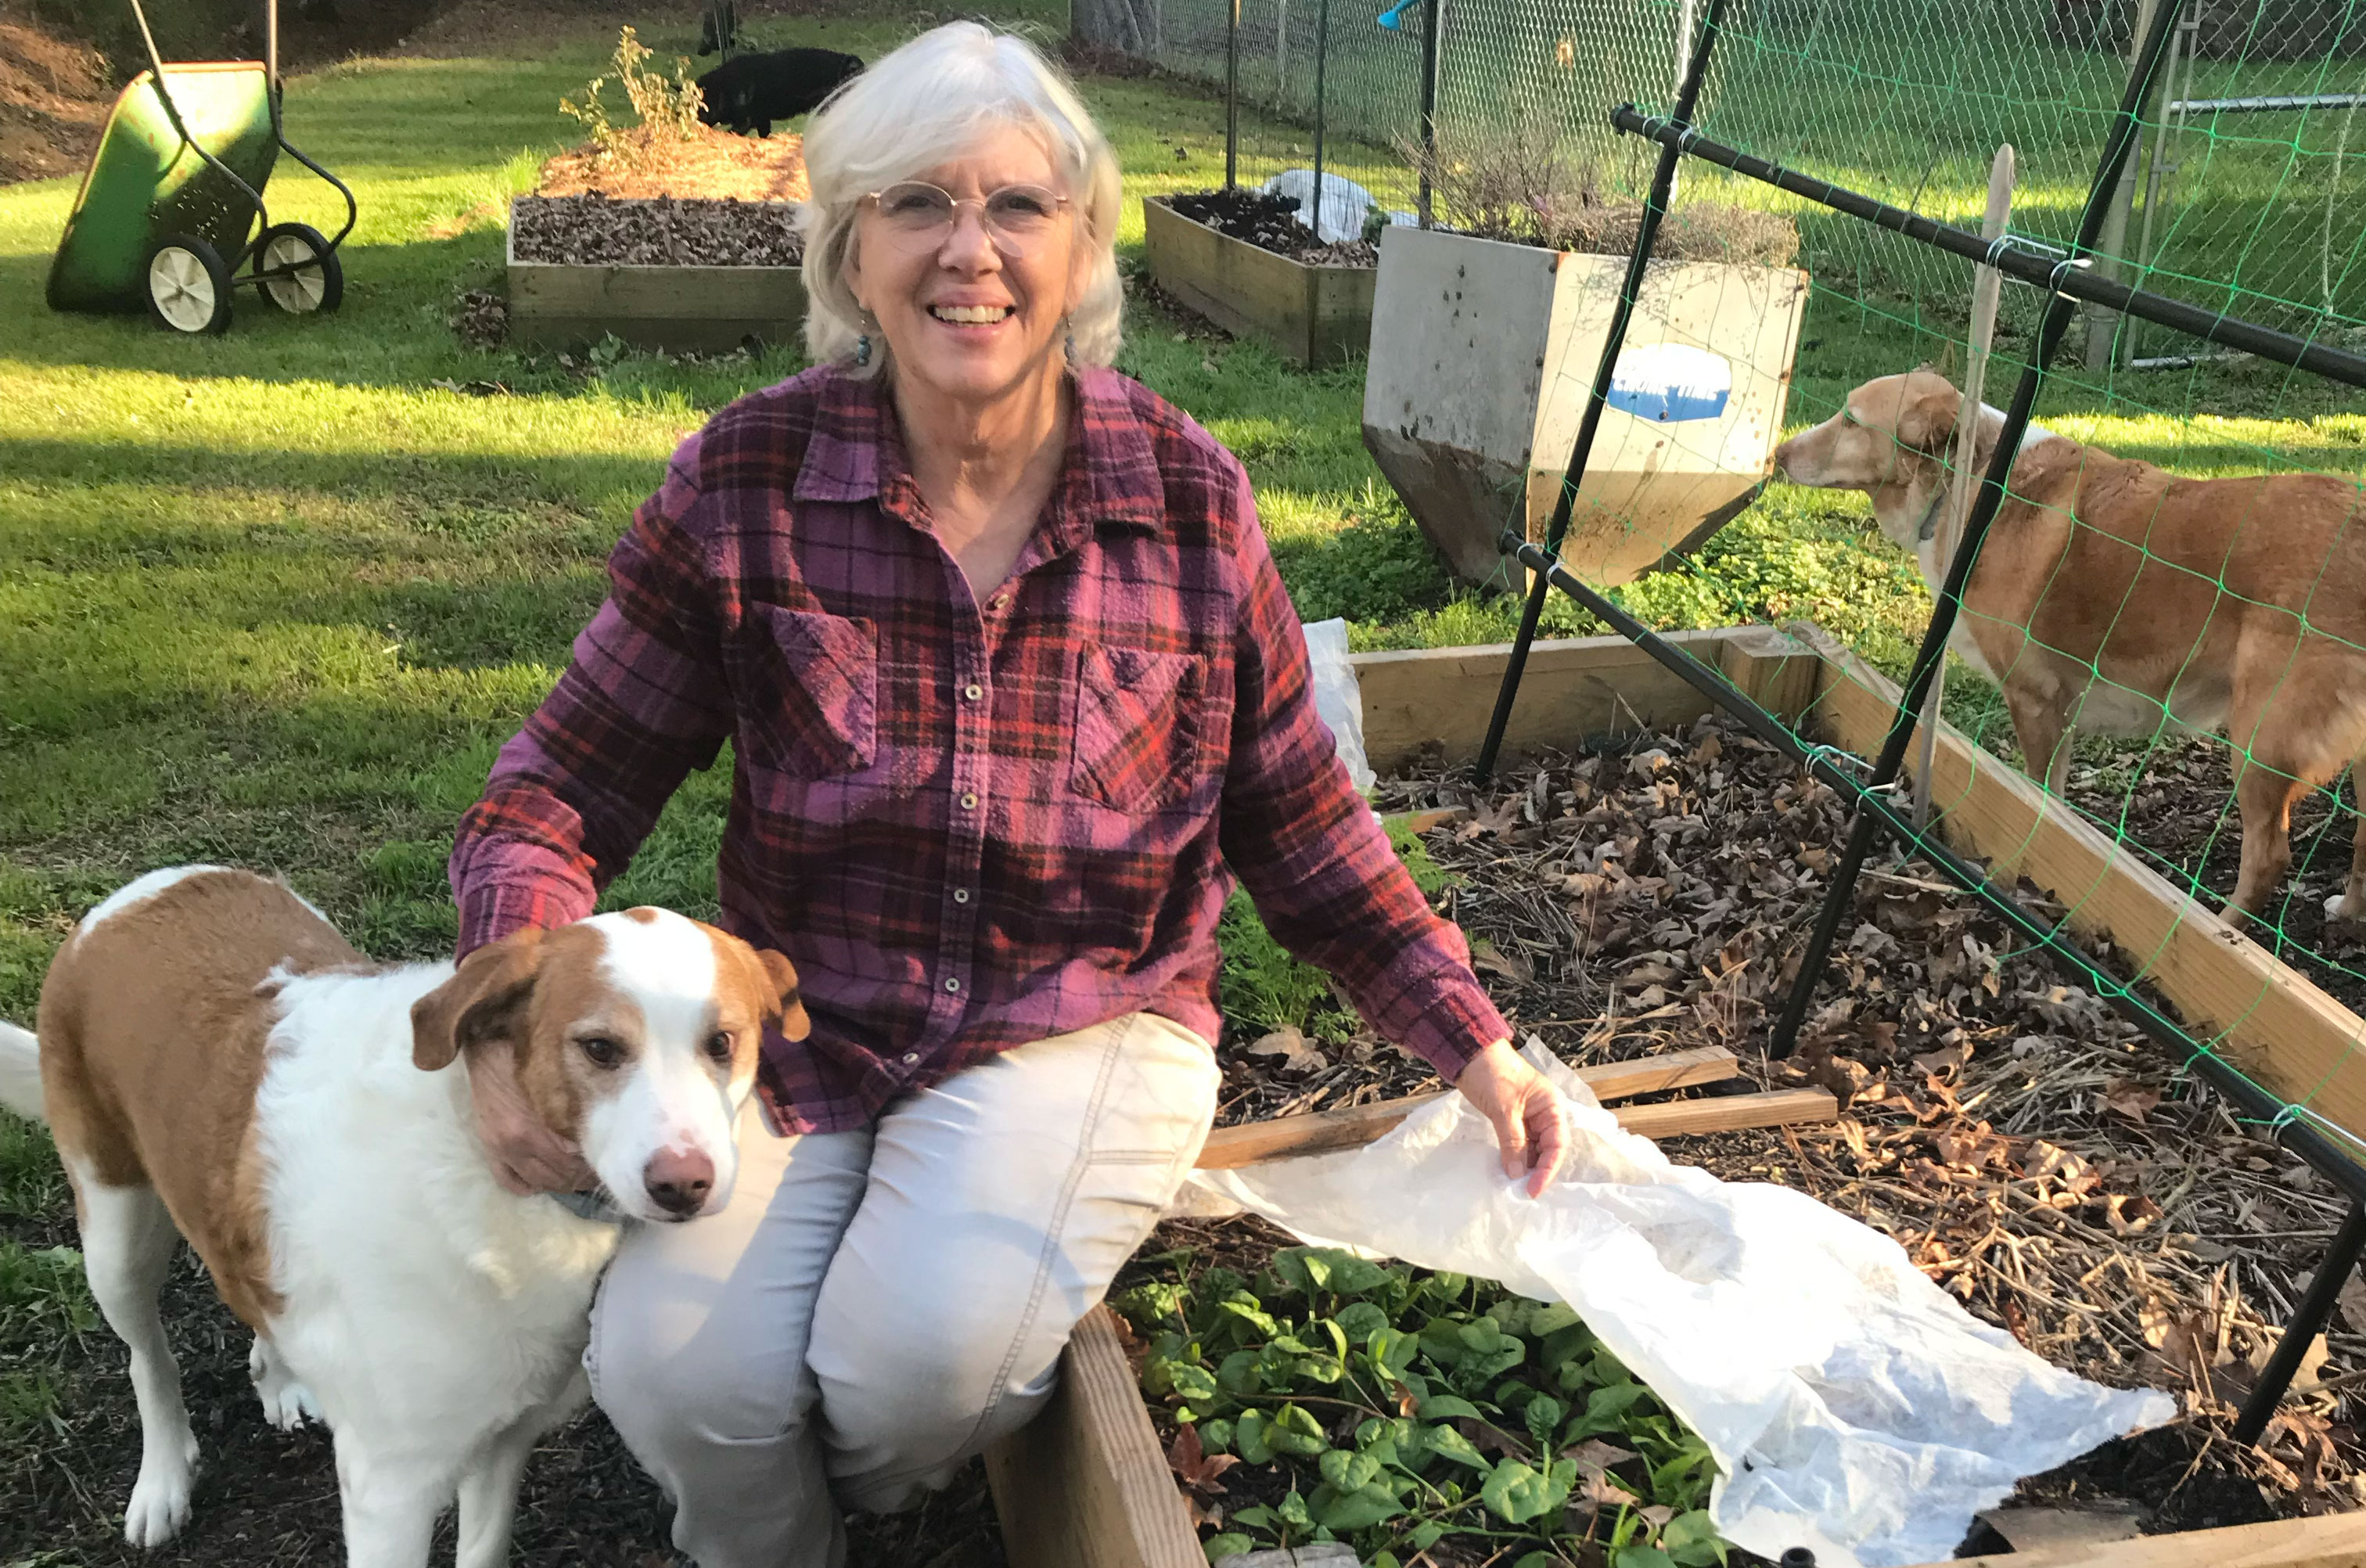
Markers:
590,1206
1928,528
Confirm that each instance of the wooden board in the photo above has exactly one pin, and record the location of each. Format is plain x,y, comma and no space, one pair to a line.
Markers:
2338,1541
1228,1148
1309,315
1084,1484
700,309
2278,1027
1573,688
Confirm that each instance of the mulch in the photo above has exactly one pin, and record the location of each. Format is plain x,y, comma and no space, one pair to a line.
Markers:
595,229
2033,1154
707,165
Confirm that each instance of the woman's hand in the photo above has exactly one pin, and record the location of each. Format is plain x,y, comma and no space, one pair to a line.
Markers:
526,1155
1525,1112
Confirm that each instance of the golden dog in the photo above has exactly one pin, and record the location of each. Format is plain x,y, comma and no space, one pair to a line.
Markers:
2111,595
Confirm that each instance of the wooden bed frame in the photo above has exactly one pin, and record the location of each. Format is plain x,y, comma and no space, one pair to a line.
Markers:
1086,1485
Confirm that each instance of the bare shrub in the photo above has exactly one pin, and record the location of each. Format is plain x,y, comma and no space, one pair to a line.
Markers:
666,107
1521,181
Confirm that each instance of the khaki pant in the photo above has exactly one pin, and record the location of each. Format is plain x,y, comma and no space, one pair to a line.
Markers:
875,1307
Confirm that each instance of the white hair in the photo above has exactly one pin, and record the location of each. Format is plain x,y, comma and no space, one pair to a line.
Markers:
927,103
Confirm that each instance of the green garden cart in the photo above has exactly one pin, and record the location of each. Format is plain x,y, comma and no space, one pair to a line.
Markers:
172,208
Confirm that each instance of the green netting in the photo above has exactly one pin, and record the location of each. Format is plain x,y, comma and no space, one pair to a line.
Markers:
2116,570
2245,195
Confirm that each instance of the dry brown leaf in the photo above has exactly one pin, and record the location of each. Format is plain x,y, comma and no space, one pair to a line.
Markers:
2133,1101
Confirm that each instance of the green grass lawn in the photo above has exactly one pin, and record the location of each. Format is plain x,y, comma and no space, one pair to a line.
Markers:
275,598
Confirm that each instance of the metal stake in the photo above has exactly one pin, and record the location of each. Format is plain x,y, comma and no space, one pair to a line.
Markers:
2308,1321
1432,25
1232,96
1647,232
1321,57
2060,309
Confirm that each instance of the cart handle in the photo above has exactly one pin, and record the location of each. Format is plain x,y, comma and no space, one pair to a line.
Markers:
173,113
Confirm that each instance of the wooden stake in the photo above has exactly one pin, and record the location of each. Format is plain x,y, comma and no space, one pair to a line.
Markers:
1987,287
1252,1143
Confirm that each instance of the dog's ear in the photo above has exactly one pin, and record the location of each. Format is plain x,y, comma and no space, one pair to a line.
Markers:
787,1009
1926,417
485,998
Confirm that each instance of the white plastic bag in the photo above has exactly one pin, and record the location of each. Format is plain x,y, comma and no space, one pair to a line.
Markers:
1338,700
1345,203
1854,1408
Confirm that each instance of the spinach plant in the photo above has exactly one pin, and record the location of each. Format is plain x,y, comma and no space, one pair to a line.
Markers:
1395,1409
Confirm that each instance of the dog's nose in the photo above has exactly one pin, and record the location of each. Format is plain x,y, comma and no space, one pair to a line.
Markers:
679,1181
1783,459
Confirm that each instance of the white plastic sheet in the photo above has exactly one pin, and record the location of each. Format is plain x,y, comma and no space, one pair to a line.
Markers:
1338,700
1344,205
1854,1408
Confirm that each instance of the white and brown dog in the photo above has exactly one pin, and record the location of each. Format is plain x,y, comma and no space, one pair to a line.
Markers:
2115,597
213,1056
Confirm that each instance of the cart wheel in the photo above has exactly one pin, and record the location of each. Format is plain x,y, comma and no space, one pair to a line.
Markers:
317,282
188,287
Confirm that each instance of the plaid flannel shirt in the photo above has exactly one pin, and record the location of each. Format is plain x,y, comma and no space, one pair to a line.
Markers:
970,824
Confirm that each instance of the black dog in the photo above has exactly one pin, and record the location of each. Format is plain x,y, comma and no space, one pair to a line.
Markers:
751,92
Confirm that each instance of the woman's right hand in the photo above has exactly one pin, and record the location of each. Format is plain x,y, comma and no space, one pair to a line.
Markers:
525,1155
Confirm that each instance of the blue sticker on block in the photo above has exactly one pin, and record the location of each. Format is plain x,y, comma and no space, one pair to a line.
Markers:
1669,382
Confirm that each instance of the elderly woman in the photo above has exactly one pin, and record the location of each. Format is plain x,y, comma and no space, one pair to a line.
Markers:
1011,682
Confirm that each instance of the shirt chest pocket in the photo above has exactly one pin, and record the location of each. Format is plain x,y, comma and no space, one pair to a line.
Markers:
808,692
1137,730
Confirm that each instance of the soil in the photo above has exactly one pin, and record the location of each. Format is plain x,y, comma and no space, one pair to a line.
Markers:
1270,223
596,230
711,165
54,95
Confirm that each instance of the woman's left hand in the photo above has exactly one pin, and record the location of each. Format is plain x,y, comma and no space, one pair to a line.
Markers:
1525,1112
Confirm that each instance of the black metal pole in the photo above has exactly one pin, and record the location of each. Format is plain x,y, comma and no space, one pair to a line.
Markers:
1638,261
1432,25
1321,58
2020,262
2060,309
1232,95
2308,1321
2335,1161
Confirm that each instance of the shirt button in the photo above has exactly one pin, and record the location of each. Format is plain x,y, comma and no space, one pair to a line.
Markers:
951,985
973,691
910,1058
961,894
969,801
997,602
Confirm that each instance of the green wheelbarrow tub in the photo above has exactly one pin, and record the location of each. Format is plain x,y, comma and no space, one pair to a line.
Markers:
145,182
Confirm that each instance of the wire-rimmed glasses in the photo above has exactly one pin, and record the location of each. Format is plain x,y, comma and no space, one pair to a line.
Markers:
916,215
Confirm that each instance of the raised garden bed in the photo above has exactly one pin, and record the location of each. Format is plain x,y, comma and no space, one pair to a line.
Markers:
663,273
1636,899
1313,305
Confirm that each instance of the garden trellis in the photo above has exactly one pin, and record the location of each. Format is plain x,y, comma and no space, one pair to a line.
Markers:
1892,252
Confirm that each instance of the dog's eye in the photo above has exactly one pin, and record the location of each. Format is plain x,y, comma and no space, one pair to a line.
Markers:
602,1051
718,1045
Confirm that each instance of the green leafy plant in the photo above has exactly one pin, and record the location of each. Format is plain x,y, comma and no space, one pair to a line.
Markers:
1391,1407
666,109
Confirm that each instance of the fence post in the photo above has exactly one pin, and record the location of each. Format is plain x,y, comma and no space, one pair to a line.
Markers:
1647,233
2059,308
2104,326
1321,58
1232,95
1432,26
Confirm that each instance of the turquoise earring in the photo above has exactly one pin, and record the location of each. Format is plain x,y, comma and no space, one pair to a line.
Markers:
863,349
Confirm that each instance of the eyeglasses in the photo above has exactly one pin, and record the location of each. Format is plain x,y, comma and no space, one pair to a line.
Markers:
915,215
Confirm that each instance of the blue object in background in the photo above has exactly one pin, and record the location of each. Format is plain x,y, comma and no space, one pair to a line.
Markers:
1670,382
1393,17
